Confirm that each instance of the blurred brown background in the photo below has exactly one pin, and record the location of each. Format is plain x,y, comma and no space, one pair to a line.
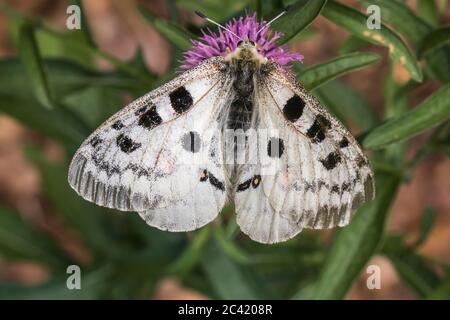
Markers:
119,31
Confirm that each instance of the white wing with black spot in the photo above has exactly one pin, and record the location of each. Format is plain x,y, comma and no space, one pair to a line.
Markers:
309,173
156,156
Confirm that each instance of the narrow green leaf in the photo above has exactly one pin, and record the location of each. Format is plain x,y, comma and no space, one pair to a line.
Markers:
429,11
193,253
226,277
351,44
169,30
298,18
85,30
231,248
442,291
431,112
317,75
434,40
84,217
355,244
401,17
20,240
347,104
412,268
31,59
405,21
426,224
70,45
94,105
64,77
396,104
355,22
56,123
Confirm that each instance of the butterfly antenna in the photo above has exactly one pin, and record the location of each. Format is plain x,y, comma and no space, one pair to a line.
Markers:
282,13
201,15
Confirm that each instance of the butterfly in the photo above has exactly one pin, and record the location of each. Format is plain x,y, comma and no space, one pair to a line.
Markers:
183,151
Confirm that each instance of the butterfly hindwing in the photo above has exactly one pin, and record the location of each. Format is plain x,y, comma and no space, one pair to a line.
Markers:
153,155
320,176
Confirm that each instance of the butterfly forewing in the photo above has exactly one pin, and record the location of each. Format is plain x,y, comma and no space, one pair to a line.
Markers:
156,157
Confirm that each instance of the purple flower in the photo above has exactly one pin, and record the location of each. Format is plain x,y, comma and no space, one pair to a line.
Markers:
210,44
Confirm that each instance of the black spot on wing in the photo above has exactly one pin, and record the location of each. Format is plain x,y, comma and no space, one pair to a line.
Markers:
181,100
361,162
335,188
331,160
317,130
126,144
212,179
310,186
293,109
343,143
256,181
345,186
150,118
275,147
204,176
191,142
140,111
244,185
215,182
95,141
117,125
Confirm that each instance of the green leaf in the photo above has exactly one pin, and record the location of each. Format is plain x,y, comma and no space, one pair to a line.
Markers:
70,45
317,75
31,59
434,40
84,217
231,248
351,44
396,104
442,291
355,22
193,253
405,21
94,105
433,111
298,18
347,104
85,30
20,240
426,224
169,30
412,268
64,78
354,245
429,11
225,276
401,17
57,123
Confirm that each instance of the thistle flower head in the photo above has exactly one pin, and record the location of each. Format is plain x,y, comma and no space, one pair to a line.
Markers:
211,44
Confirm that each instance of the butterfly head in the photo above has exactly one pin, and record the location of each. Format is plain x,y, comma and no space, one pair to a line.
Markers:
246,50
